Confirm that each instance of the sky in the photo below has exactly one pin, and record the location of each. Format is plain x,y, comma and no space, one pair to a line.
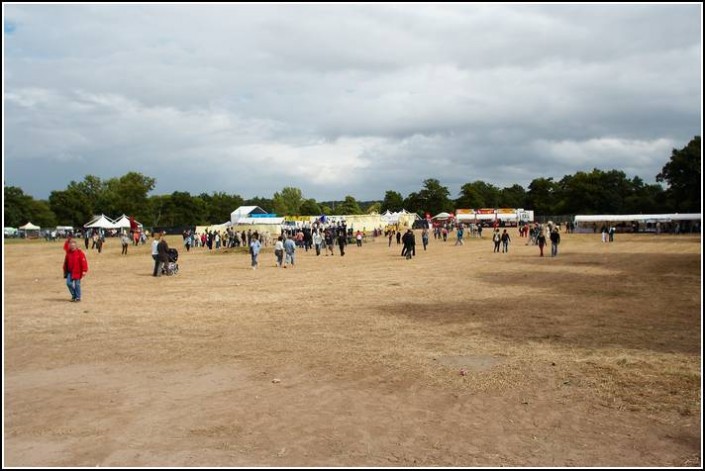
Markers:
344,99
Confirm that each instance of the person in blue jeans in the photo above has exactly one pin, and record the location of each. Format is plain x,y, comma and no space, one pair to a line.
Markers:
505,241
255,247
75,268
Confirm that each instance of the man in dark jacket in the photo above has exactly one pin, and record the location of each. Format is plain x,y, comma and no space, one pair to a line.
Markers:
162,254
555,240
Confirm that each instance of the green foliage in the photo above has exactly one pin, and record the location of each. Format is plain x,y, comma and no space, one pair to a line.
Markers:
433,198
512,197
478,194
374,208
71,207
218,207
591,192
393,201
541,195
310,208
19,209
683,174
288,202
349,206
15,206
264,203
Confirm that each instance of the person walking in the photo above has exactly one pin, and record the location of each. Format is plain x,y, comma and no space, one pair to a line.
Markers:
255,247
75,268
505,241
541,240
290,251
125,240
459,234
330,245
155,251
279,251
398,237
162,253
496,238
341,242
555,240
317,241
424,238
358,238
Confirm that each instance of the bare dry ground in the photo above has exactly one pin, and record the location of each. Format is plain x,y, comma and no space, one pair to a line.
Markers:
589,359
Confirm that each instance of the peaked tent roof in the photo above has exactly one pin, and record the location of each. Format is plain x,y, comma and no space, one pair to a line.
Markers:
101,222
124,222
29,227
244,212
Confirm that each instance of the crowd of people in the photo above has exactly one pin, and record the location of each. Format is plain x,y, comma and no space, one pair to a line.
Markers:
323,238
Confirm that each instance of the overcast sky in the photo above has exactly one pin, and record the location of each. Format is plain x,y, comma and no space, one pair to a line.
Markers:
345,99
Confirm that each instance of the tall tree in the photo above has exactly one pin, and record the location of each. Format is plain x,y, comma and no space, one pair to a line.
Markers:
265,203
16,206
434,197
478,194
310,208
288,202
393,201
512,197
219,206
683,175
541,195
71,206
20,209
349,206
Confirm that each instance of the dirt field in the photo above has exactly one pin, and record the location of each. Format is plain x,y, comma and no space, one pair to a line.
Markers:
589,359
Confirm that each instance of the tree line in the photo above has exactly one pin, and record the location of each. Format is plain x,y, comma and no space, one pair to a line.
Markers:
594,192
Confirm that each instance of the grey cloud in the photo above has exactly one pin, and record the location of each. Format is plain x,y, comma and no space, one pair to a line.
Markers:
346,99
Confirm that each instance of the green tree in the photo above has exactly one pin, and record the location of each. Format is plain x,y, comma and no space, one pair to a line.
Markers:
374,208
310,208
434,197
393,201
478,194
128,194
349,206
413,203
265,203
288,202
683,175
71,207
20,209
512,197
219,206
540,196
40,213
16,206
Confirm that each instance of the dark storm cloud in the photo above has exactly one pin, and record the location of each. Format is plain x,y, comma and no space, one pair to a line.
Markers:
345,99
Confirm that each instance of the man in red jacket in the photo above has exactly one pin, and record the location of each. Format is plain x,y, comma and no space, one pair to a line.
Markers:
75,268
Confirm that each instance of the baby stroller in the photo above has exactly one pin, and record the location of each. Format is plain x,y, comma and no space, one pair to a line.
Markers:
171,268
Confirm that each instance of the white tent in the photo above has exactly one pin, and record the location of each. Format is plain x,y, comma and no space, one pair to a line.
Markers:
253,215
123,222
101,222
638,217
29,227
441,216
